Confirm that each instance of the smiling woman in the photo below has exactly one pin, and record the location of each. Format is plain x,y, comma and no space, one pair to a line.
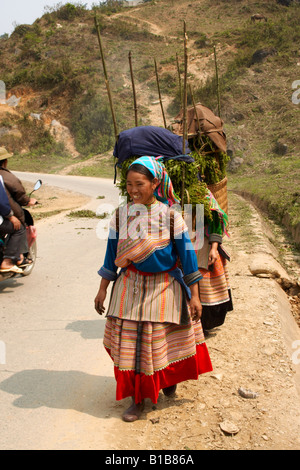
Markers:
140,184
153,331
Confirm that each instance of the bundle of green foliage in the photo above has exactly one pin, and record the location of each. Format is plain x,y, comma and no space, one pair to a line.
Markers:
211,163
195,191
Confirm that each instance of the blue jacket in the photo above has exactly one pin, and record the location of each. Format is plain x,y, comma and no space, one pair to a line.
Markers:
4,203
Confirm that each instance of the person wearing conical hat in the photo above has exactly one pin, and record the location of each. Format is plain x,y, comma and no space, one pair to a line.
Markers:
4,154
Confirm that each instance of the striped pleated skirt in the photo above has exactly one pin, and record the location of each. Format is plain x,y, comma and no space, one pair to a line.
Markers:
151,355
215,294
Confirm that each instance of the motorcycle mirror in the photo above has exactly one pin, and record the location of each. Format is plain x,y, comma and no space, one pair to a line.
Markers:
37,185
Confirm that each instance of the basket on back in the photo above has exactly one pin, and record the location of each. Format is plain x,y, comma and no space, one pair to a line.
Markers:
207,139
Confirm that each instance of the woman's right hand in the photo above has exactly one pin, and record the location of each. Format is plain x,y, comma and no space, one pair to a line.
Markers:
100,297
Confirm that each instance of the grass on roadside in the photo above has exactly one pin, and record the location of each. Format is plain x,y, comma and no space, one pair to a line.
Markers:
103,168
87,214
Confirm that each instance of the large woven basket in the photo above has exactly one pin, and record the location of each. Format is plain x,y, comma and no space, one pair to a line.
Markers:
219,191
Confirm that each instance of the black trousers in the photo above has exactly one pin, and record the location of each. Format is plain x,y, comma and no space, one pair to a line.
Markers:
17,242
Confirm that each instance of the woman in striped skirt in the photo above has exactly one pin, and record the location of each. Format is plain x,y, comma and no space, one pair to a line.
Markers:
215,292
153,331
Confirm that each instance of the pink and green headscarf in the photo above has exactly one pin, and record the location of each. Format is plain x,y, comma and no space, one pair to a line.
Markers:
164,191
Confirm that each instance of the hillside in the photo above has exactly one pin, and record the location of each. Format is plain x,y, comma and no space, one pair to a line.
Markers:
63,117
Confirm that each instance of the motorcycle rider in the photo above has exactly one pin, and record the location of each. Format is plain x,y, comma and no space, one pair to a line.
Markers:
15,190
17,198
10,224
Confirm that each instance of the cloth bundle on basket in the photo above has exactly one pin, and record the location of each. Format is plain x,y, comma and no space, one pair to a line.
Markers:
148,140
201,119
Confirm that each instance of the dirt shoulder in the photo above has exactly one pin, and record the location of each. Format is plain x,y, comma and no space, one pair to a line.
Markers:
53,200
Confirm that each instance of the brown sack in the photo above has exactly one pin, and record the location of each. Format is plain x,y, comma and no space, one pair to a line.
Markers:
210,125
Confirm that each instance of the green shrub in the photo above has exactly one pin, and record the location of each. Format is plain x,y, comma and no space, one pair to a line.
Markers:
91,124
69,11
53,73
201,41
109,6
21,29
65,12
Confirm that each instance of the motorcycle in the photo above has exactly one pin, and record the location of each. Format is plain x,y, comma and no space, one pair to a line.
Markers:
31,233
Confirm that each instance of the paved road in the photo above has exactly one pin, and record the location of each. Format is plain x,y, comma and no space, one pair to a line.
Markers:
57,385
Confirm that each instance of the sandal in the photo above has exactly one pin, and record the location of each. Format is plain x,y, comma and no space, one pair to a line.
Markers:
12,269
133,412
26,262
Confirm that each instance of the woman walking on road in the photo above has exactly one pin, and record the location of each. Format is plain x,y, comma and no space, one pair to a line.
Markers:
153,331
215,292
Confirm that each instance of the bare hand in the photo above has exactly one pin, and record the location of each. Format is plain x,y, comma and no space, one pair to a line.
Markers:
32,202
16,222
99,301
196,309
213,256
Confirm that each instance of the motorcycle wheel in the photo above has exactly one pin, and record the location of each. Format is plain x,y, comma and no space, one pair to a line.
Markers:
32,255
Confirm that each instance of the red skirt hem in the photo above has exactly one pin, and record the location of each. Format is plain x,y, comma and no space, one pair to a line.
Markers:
140,386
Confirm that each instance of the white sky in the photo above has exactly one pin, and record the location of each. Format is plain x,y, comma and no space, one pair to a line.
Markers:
27,11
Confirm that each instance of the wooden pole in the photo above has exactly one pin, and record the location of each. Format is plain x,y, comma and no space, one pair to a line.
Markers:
106,78
133,91
195,109
218,85
184,136
159,94
179,80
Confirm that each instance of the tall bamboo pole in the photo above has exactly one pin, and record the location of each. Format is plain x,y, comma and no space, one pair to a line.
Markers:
194,105
218,85
159,94
179,80
133,91
184,134
106,77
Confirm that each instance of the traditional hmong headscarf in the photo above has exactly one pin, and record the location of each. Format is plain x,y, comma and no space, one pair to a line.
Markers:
164,191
